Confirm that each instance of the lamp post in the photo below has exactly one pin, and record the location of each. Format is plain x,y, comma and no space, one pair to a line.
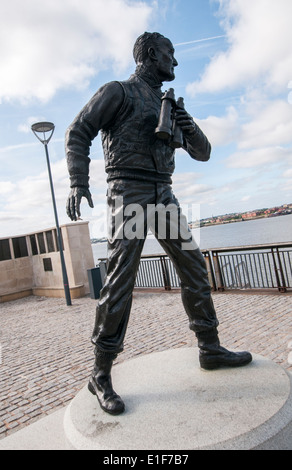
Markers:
46,130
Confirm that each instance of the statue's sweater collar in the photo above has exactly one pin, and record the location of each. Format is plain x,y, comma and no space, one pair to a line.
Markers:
150,79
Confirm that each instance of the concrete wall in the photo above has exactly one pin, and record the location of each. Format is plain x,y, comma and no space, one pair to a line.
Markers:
16,277
26,275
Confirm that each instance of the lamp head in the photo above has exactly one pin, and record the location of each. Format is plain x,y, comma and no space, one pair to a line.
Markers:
43,128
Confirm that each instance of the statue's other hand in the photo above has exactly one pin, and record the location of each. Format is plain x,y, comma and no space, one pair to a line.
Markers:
185,120
74,200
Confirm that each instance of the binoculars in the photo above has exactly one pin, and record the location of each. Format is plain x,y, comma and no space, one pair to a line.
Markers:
167,128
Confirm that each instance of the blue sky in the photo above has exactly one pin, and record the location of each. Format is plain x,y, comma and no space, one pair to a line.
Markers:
234,72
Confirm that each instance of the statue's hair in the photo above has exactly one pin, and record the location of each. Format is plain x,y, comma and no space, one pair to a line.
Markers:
142,44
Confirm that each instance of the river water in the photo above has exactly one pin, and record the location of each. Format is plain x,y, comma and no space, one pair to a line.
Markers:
252,232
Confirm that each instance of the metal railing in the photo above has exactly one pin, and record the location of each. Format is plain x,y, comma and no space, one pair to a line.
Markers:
157,271
253,267
244,267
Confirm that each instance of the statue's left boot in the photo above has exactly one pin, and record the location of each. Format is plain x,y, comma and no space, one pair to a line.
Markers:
212,355
100,384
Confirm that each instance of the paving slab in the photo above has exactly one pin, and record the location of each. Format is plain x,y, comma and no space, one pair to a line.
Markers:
44,434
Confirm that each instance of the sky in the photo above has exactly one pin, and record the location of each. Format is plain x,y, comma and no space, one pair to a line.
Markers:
234,73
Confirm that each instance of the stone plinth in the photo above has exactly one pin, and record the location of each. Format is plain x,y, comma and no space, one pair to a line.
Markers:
172,404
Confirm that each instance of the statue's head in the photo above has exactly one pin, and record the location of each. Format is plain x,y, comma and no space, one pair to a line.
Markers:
156,52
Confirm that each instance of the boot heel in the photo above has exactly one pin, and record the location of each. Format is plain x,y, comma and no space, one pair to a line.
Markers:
209,366
91,388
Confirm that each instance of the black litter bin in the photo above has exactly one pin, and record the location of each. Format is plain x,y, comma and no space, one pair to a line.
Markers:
95,282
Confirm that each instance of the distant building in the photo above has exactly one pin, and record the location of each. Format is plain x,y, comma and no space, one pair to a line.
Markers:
249,215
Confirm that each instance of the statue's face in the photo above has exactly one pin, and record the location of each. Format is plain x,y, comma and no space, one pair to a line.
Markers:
166,61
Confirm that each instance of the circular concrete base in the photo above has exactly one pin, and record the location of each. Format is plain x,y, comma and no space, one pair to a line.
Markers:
172,404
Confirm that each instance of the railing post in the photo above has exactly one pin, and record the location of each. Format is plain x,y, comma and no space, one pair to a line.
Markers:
165,273
280,282
210,270
218,274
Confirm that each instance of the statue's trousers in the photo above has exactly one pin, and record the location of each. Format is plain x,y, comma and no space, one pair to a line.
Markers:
134,207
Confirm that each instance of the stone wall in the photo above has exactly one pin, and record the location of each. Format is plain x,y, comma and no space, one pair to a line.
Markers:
30,264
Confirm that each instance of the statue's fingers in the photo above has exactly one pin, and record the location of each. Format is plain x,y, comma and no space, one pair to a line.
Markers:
72,208
89,199
77,205
68,211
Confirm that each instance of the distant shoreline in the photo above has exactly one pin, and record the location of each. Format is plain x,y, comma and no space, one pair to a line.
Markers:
211,224
224,222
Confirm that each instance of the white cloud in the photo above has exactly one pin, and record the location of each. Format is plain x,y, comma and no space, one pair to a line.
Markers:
220,130
189,190
12,148
259,47
27,203
48,46
6,187
259,157
270,124
26,126
288,173
290,93
34,191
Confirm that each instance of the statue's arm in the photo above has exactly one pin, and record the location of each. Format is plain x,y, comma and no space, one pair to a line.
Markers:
97,114
195,141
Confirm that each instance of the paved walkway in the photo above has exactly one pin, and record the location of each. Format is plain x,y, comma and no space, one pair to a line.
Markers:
46,355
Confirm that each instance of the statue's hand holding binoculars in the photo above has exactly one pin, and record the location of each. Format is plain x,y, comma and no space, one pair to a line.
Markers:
185,121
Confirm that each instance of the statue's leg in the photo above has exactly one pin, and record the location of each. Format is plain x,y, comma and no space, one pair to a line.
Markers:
127,230
196,291
114,305
112,315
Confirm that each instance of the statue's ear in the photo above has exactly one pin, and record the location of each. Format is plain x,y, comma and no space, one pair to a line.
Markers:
152,53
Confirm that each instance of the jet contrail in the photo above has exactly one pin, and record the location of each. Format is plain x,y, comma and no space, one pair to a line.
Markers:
199,40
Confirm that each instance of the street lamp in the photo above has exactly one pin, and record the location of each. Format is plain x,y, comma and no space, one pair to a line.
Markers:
46,130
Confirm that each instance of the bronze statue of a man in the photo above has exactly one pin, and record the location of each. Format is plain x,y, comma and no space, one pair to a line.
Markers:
139,167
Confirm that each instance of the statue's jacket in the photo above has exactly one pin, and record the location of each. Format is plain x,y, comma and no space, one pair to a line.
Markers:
130,143
131,148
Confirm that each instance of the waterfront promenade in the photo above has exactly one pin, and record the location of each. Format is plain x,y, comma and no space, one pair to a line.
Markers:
46,355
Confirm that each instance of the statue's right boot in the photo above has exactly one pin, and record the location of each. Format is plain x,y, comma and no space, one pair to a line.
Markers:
100,384
212,355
